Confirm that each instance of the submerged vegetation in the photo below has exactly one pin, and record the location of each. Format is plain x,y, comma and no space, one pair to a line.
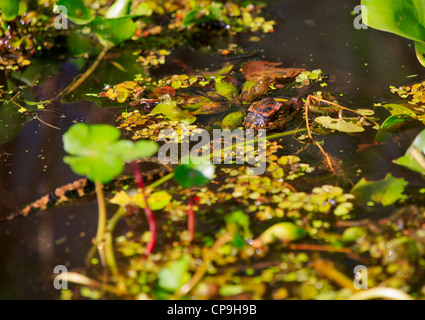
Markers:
213,231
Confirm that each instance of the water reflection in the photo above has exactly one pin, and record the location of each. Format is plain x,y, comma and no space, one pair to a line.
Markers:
315,34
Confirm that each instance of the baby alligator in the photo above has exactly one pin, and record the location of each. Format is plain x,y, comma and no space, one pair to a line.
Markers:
78,189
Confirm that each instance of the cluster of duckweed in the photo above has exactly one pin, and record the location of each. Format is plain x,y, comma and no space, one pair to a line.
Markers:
137,89
415,91
123,91
306,78
268,198
186,14
153,57
149,126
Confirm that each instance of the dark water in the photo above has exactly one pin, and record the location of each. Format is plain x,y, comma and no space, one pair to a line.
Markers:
362,64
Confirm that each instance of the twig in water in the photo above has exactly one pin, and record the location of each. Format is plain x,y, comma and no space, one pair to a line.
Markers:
328,160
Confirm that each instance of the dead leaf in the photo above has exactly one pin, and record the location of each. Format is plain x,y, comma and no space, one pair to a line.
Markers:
258,70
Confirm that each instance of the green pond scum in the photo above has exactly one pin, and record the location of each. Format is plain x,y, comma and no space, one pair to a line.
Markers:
202,230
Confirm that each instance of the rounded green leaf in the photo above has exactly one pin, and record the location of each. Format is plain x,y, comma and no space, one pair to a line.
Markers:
386,191
226,90
102,167
75,11
84,140
194,175
130,151
233,120
111,32
9,9
158,200
391,125
96,151
338,124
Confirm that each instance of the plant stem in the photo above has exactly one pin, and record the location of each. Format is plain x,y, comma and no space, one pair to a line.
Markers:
149,214
81,78
191,219
161,181
109,253
101,224
307,107
109,250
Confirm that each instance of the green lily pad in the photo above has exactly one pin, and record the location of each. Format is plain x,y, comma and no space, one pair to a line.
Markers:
97,153
386,191
338,124
413,154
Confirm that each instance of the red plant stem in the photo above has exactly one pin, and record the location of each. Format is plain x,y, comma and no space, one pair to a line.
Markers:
191,219
148,211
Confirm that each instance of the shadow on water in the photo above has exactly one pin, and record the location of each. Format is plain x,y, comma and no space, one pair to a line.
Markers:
362,64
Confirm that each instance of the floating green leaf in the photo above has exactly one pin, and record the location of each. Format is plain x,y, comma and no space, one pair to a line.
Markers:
97,153
391,125
170,110
386,191
233,120
414,159
226,90
338,124
399,109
